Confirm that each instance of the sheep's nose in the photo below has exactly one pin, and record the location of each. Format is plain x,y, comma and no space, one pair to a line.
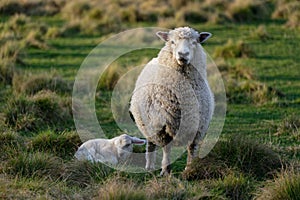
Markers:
183,54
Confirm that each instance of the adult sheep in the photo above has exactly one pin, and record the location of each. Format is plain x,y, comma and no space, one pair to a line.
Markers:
172,102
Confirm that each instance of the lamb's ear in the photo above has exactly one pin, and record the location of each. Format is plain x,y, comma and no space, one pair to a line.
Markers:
204,36
137,141
164,36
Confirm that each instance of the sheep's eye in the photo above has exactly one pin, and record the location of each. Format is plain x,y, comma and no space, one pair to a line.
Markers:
194,43
127,145
172,42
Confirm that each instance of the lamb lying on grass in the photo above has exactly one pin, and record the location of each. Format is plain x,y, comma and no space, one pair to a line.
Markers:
172,100
110,151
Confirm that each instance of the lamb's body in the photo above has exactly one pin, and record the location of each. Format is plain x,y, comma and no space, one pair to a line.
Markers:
110,151
173,102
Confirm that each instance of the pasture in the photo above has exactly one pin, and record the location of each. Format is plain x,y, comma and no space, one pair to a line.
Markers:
255,45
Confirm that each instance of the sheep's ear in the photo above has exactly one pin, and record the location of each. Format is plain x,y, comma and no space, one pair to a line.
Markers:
164,36
204,36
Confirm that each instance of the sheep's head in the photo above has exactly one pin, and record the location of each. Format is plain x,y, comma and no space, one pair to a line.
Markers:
183,42
124,144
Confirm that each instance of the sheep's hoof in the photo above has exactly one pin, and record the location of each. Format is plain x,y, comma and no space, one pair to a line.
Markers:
187,167
165,172
150,168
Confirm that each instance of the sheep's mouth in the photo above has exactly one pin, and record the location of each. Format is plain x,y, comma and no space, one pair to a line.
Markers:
183,61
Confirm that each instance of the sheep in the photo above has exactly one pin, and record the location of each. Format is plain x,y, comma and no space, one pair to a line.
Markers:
110,151
172,103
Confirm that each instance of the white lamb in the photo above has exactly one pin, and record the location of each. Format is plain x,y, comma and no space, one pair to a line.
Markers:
110,151
172,102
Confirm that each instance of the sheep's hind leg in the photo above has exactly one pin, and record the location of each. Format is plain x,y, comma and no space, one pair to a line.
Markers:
150,156
192,150
165,164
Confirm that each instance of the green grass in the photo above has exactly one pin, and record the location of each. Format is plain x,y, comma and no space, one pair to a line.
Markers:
37,133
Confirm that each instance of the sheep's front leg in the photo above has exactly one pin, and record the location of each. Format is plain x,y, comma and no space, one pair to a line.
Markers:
193,150
150,156
166,164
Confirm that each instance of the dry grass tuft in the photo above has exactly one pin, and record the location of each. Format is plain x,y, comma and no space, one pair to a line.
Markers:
206,168
7,71
110,77
166,187
63,145
38,112
285,186
35,8
235,154
37,164
11,143
118,188
234,186
249,10
288,10
248,155
84,173
234,50
261,33
32,84
242,86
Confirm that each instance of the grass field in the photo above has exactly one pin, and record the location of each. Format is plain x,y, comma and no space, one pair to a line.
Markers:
43,46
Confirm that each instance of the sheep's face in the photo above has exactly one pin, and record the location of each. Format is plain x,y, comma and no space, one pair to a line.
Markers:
124,144
183,42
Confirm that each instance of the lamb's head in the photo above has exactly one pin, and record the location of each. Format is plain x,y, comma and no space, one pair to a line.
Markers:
183,42
124,144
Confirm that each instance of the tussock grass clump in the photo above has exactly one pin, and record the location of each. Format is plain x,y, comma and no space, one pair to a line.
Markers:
32,84
242,86
235,154
234,50
261,33
12,51
37,7
63,145
7,71
92,17
294,20
118,188
10,7
16,23
290,126
11,143
194,13
285,186
35,39
288,10
8,138
26,32
53,32
234,186
85,173
206,168
36,164
38,112
167,188
110,77
249,10
248,156
288,131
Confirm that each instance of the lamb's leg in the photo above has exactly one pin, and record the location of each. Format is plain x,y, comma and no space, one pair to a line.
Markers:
193,150
150,156
166,164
